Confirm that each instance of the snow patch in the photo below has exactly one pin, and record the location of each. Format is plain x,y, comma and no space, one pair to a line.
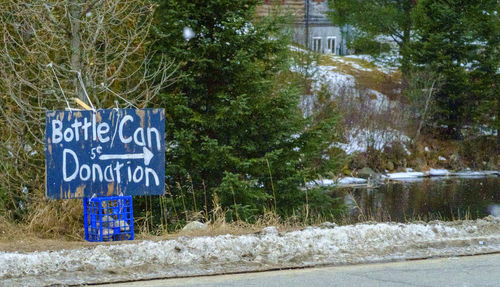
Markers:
351,180
297,49
494,209
186,256
435,173
320,183
438,172
351,63
379,101
335,82
360,140
340,182
466,174
386,63
405,175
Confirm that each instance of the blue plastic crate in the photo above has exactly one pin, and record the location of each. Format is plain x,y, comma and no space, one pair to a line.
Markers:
108,218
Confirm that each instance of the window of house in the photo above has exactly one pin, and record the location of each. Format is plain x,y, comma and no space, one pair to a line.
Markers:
316,44
332,45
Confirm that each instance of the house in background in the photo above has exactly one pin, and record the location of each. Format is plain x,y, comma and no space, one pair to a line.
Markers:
312,27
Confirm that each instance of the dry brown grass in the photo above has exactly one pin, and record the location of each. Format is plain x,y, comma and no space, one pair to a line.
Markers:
56,225
8,230
56,219
217,225
21,239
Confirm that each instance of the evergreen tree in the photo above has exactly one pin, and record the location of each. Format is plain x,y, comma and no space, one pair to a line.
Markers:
378,17
235,132
459,39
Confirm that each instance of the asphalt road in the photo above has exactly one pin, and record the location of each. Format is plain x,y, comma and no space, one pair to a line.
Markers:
481,270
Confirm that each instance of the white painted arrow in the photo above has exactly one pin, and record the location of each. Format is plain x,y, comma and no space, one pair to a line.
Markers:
146,154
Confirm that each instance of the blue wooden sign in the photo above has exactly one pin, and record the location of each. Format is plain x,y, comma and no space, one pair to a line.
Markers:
105,152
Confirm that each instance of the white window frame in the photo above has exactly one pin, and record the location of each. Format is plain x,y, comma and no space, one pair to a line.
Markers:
331,50
317,47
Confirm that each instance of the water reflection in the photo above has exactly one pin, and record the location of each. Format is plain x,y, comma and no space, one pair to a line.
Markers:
447,199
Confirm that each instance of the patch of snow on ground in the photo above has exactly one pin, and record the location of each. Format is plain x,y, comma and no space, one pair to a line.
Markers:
339,182
320,182
387,63
494,210
487,131
351,63
186,256
405,175
438,172
351,180
324,77
466,174
360,140
379,101
343,87
334,81
307,103
297,49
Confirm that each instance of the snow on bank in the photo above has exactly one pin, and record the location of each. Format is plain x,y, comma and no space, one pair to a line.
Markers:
410,176
340,182
324,77
351,180
327,244
345,89
416,174
472,174
438,172
360,140
405,175
337,83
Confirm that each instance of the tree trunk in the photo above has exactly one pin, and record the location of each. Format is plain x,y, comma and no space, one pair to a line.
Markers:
424,115
75,13
405,44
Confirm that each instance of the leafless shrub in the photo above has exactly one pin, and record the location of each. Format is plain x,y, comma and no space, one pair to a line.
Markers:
422,86
53,51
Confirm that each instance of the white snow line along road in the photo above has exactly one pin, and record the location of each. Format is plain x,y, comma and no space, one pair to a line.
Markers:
187,256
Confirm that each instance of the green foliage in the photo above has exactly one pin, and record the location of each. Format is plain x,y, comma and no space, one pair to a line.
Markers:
323,203
366,45
373,17
480,153
459,39
234,128
243,197
380,17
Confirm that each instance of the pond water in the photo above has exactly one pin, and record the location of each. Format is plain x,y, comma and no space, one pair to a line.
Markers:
428,199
